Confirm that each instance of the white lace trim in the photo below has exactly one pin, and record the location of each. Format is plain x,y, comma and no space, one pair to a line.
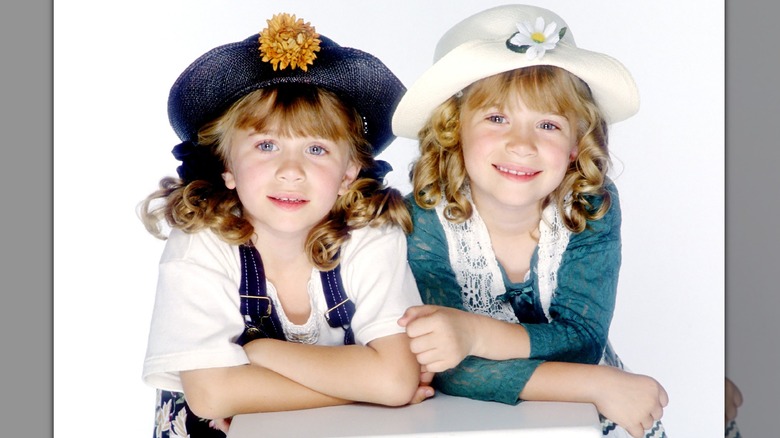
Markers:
476,267
553,240
306,333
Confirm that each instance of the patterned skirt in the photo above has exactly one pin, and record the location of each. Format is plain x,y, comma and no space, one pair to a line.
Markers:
732,431
174,419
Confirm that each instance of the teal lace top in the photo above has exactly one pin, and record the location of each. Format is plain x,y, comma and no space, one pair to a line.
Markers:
581,308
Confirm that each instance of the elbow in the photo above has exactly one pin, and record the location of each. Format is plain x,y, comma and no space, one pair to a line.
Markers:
591,348
205,405
402,393
399,386
582,346
206,399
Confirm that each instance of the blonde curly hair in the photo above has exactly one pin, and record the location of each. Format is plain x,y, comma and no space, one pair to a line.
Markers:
440,172
207,204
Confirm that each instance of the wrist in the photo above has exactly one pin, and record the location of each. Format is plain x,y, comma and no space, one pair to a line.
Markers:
498,340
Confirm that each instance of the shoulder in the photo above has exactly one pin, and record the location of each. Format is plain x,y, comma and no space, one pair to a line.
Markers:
612,192
373,242
425,220
613,214
202,248
608,226
427,241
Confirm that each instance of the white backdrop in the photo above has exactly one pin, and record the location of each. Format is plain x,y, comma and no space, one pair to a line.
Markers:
114,63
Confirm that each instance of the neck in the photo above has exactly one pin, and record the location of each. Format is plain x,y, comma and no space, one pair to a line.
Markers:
282,252
502,220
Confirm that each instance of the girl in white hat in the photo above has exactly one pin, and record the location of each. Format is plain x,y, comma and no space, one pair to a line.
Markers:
279,134
516,241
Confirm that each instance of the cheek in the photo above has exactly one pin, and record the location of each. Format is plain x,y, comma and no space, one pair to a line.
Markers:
471,159
560,158
472,147
329,180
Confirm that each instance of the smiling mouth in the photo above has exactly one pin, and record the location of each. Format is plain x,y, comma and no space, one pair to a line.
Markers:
515,172
288,200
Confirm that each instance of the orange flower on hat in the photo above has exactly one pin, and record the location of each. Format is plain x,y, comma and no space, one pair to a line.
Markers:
289,41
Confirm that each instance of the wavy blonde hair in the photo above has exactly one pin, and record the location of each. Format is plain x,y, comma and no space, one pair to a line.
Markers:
440,172
297,110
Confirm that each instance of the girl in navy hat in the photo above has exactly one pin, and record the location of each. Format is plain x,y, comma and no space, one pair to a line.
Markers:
284,272
516,241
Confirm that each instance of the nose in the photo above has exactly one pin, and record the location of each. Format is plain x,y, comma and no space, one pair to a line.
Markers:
290,169
520,140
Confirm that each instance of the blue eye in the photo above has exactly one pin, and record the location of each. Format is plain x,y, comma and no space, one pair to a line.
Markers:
548,126
267,146
316,150
497,118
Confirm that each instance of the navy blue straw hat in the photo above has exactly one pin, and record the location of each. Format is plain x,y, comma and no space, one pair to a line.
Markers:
221,76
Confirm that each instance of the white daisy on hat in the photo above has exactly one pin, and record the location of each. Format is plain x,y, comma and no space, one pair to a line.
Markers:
506,38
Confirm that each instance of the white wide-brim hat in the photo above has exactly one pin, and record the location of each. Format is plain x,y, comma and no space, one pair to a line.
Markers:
477,48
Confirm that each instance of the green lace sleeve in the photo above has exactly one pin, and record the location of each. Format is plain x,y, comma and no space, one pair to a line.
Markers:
584,300
474,377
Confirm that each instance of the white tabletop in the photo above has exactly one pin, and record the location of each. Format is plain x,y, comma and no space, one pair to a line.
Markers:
440,416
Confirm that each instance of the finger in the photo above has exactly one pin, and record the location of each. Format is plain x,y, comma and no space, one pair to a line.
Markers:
427,358
648,422
657,413
419,321
419,345
731,412
415,312
221,424
438,366
663,397
426,377
635,431
422,393
737,396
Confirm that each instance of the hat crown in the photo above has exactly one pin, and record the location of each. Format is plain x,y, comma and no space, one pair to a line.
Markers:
498,23
224,74
487,43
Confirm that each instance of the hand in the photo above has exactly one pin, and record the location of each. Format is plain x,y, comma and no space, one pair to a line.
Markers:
221,424
441,337
425,390
733,400
633,401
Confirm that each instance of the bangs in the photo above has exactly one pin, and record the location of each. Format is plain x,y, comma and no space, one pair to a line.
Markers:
298,111
545,89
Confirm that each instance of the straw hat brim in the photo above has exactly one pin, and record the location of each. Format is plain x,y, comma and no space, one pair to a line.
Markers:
613,87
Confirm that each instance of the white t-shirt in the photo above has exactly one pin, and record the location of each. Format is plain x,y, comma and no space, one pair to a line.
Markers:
197,318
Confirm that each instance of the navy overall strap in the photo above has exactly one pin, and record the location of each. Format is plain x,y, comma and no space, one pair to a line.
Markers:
340,307
260,317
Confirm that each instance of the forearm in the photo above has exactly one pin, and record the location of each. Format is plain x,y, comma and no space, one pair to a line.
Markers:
633,401
566,340
488,380
562,381
384,372
583,300
224,392
497,340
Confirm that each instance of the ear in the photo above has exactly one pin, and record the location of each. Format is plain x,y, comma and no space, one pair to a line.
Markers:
349,177
575,151
230,180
